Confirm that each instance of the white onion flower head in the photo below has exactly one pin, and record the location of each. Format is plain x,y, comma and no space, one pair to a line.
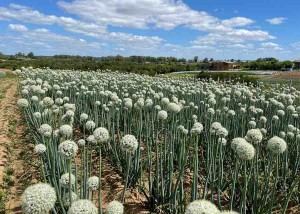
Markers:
93,183
91,139
202,207
66,198
165,101
40,149
254,136
81,142
37,115
252,124
282,134
68,149
277,145
22,103
83,117
222,132
214,127
45,130
290,135
237,141
38,199
83,206
48,102
34,99
66,131
245,151
115,207
263,119
129,143
162,115
197,128
65,180
101,135
90,125
174,107
56,133
222,140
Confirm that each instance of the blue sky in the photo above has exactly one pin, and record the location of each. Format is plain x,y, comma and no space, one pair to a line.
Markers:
206,28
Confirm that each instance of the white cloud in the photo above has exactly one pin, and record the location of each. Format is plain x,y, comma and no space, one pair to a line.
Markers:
237,21
276,20
17,27
164,14
270,45
91,29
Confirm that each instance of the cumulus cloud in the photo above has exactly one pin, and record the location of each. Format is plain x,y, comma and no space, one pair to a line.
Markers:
17,27
91,29
237,21
276,20
164,14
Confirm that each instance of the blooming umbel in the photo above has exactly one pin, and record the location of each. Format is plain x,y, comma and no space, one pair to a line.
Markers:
38,199
66,198
93,183
68,149
162,115
90,125
66,131
40,149
129,143
83,206
245,151
202,207
197,128
45,130
115,207
65,179
174,107
254,136
101,135
23,103
48,102
277,145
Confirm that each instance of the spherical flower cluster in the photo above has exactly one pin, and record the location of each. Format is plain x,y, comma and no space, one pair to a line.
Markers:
38,199
66,198
68,149
93,183
254,136
202,207
174,107
91,139
129,143
215,126
22,103
245,150
66,131
83,206
237,141
34,99
45,130
40,149
115,207
56,133
81,142
162,115
252,124
59,101
65,180
282,134
277,145
48,102
37,115
90,125
101,135
83,117
222,132
197,128
263,119
165,101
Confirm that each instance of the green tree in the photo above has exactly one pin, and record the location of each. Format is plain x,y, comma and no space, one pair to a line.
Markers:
196,58
30,55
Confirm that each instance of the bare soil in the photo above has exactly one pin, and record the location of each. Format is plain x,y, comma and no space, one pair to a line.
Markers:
287,75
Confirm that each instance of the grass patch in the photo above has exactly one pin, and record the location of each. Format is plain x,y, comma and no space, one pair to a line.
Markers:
233,76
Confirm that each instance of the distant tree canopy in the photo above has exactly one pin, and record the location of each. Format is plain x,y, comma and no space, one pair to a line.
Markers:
135,64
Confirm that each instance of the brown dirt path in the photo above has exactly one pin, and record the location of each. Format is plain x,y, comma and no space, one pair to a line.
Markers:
16,163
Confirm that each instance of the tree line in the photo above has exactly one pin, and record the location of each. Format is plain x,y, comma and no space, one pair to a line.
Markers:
135,64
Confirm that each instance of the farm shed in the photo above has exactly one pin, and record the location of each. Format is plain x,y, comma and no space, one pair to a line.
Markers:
221,66
297,64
